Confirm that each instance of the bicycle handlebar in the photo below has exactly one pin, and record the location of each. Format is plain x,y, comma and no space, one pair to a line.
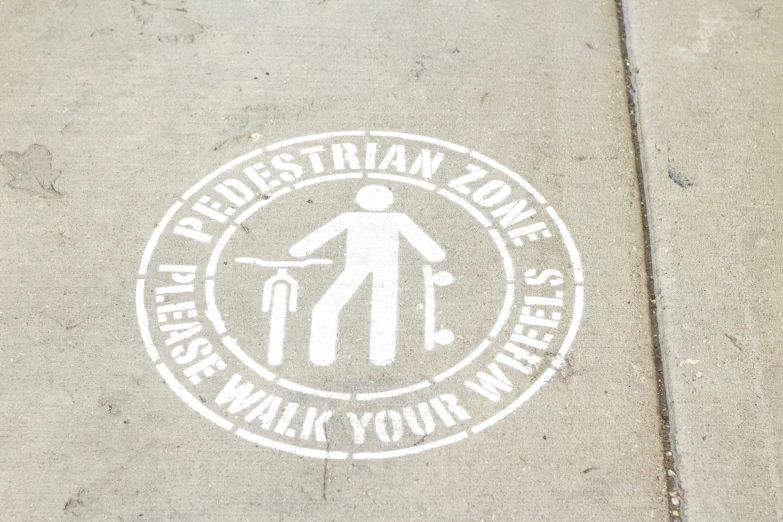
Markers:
283,264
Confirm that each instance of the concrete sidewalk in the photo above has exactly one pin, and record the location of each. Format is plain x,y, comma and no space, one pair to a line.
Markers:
708,77
522,383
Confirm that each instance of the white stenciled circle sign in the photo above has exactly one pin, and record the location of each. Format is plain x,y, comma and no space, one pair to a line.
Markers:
359,294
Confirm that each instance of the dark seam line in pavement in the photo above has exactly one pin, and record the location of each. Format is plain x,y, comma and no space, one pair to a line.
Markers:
673,490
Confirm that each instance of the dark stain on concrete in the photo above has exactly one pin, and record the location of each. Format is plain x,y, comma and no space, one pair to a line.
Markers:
420,66
679,178
74,503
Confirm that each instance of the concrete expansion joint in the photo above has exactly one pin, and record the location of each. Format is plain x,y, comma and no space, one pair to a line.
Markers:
674,500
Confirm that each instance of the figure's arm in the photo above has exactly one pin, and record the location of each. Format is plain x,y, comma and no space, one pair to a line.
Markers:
319,237
421,241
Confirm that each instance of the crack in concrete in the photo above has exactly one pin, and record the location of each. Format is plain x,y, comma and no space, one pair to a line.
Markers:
734,341
674,504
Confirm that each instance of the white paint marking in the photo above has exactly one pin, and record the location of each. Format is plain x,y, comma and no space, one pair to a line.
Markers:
144,321
392,393
429,308
285,383
228,166
508,266
191,400
372,249
576,261
213,314
425,139
264,202
431,280
283,264
402,179
221,244
234,348
579,306
467,206
312,137
412,450
464,362
153,242
290,448
177,289
333,177
510,173
545,378
508,302
280,297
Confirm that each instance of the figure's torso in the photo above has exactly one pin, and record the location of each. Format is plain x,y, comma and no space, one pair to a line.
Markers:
373,240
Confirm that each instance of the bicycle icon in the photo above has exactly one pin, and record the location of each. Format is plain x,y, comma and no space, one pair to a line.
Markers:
280,296
281,293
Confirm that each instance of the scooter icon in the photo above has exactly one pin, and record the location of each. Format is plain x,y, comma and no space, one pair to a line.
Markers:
279,297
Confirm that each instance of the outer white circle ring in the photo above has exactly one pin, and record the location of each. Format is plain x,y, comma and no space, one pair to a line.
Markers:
195,403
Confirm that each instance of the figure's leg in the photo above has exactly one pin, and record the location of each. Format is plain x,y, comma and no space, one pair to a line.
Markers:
383,321
326,315
278,311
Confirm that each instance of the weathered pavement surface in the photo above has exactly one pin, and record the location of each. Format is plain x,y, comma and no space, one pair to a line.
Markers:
110,112
709,96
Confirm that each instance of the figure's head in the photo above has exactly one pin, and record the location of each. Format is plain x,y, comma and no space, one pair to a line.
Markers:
374,198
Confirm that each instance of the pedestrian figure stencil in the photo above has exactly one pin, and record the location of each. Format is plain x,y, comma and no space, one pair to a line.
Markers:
372,249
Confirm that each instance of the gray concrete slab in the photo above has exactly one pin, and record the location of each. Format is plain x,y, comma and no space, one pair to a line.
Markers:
110,112
708,76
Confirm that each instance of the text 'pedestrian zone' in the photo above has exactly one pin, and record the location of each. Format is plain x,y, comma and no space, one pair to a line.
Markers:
321,295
